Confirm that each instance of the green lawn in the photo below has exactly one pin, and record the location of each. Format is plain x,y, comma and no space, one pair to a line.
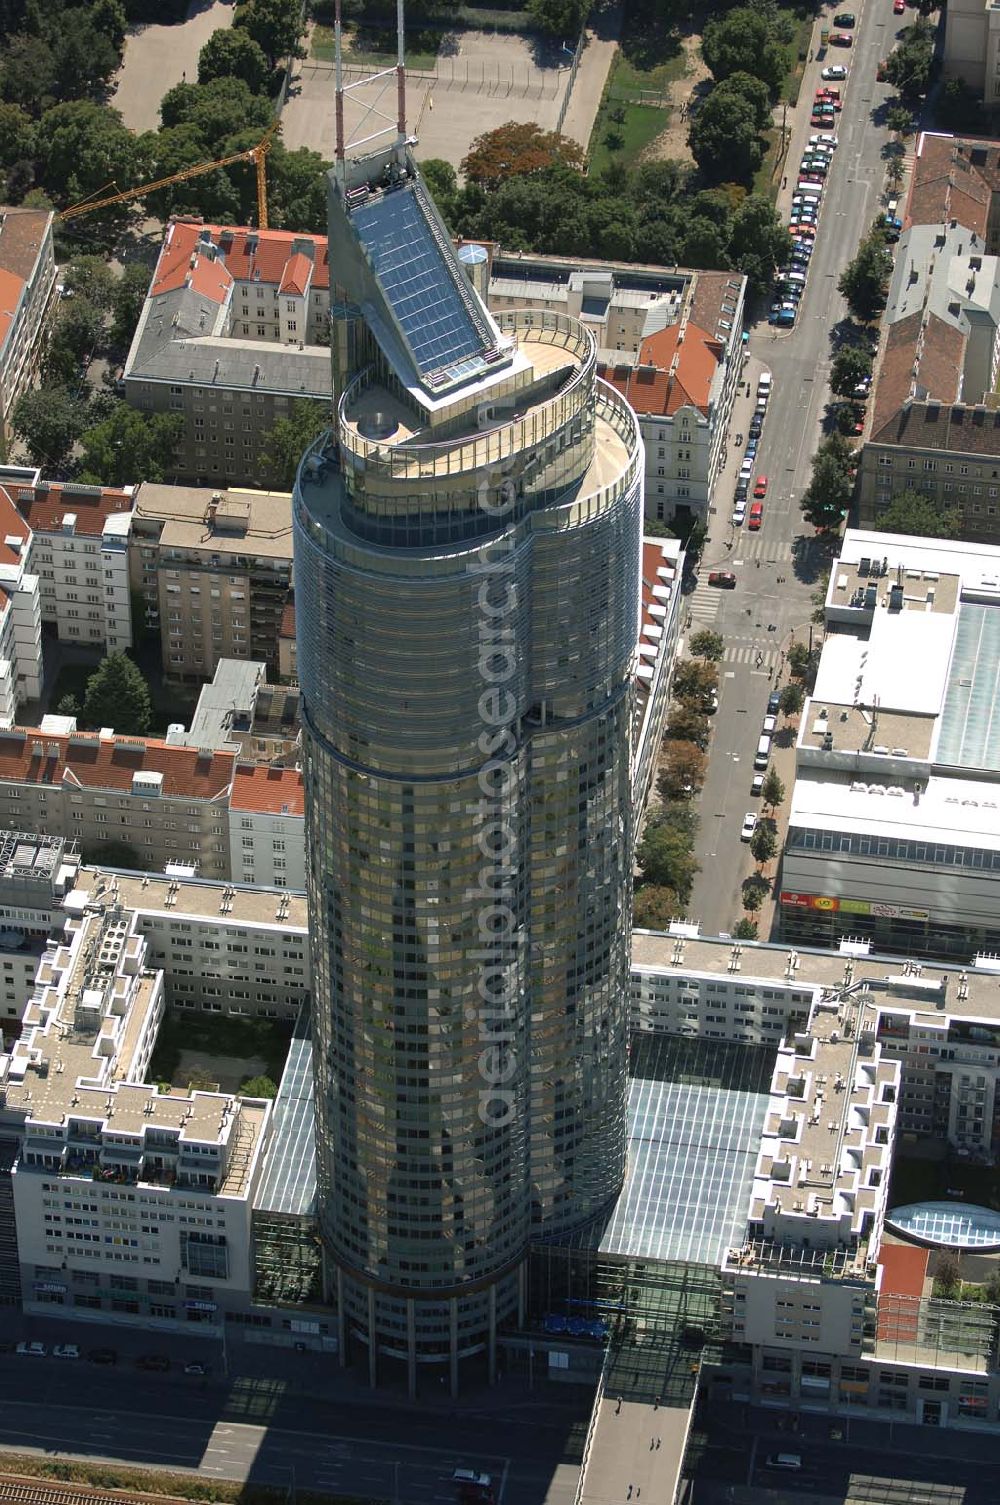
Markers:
768,175
799,53
641,125
218,1034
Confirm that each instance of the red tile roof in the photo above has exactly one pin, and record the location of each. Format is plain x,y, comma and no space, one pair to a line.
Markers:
45,506
295,277
675,370
12,525
11,287
268,791
244,254
653,559
287,628
84,760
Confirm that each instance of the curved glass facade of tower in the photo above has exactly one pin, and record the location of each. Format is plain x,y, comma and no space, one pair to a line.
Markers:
467,587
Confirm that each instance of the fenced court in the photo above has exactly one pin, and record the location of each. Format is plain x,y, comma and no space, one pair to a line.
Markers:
490,80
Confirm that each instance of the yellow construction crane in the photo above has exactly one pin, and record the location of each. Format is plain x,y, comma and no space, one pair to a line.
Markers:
255,154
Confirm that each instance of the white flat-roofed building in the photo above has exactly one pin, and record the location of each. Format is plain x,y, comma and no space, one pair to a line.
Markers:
130,1203
894,827
659,628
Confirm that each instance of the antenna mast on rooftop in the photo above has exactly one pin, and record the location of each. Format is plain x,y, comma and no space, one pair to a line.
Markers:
375,122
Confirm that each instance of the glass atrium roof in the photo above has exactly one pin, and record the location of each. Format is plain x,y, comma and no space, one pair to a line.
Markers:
696,1111
970,721
953,1225
289,1184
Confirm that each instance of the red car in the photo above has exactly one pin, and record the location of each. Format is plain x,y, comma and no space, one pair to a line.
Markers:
841,39
760,489
899,7
756,516
725,578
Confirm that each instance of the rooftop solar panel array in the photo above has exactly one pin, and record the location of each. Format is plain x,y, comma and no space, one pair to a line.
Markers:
436,318
289,1184
970,722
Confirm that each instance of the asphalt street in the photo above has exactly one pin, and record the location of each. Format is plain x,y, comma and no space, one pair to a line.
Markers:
874,1460
800,363
263,1412
283,1430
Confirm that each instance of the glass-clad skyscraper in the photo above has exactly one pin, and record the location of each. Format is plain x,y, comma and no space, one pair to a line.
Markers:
467,581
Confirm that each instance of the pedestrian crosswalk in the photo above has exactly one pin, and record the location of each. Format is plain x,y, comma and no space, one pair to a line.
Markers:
757,658
704,602
758,546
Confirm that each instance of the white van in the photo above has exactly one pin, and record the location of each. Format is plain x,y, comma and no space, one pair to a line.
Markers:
769,726
808,191
763,754
746,470
795,279
764,384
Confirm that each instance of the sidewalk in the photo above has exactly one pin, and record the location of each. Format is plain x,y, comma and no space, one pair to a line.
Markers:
592,76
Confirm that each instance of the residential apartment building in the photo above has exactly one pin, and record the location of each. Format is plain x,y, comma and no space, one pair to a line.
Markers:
36,874
670,342
130,1203
659,629
933,424
223,948
233,332
79,551
829,1298
214,570
21,668
972,47
894,821
27,285
266,827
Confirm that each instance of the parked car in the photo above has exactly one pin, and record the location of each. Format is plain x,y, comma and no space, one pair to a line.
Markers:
749,825
834,71
157,1362
845,18
757,785
880,72
195,1367
774,702
899,7
784,318
739,514
724,578
841,39
823,142
32,1350
65,1351
756,424
761,487
102,1355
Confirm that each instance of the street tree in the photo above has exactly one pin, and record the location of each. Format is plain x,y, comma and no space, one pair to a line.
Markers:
50,420
217,111
758,241
800,662
516,150
75,334
685,723
753,89
909,64
744,40
725,141
864,282
127,298
130,446
899,119
117,695
753,891
792,696
745,930
93,279
666,860
682,770
707,644
231,52
828,495
763,843
773,792
287,442
275,25
912,512
654,906
851,366
694,681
